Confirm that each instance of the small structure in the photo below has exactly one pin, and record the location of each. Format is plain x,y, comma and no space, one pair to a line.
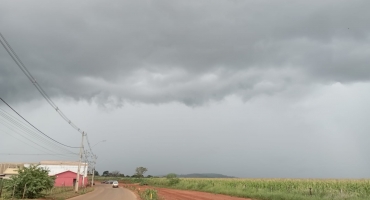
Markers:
68,178
55,168
4,166
9,172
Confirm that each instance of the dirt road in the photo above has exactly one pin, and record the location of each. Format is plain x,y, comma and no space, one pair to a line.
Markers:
105,191
173,194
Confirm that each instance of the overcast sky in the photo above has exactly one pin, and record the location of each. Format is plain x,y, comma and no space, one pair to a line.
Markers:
246,88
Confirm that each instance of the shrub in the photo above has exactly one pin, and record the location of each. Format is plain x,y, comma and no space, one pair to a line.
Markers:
30,182
172,179
149,194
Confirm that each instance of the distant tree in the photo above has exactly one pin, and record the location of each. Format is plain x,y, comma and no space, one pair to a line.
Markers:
171,175
30,182
127,175
96,173
121,175
140,171
172,179
115,173
149,176
106,173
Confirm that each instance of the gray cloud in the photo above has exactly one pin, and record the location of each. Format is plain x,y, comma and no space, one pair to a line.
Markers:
280,87
193,52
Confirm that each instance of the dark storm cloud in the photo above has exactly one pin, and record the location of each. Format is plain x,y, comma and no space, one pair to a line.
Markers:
191,52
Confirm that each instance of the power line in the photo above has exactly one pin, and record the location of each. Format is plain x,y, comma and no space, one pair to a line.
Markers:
13,127
24,142
20,64
18,125
34,145
32,154
33,125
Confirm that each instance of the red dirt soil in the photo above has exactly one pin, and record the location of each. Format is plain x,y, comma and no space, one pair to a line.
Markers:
173,194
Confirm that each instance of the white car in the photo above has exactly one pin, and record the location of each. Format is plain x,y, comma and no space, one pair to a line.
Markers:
115,184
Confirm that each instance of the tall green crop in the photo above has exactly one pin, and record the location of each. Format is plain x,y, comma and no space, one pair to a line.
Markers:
294,189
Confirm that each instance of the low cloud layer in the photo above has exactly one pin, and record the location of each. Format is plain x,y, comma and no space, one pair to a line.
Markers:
245,88
194,52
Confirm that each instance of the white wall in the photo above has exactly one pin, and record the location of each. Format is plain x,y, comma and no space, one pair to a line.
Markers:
56,169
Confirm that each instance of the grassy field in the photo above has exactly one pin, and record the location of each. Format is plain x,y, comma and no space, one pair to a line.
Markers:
270,189
58,193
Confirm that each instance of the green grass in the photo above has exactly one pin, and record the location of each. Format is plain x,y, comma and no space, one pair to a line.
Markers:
149,194
271,189
61,193
58,193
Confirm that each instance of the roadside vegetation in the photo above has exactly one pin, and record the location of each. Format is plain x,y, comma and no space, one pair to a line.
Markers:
149,194
265,189
58,193
261,189
34,182
62,193
29,183
273,189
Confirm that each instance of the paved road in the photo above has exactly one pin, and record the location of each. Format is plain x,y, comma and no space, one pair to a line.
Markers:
105,191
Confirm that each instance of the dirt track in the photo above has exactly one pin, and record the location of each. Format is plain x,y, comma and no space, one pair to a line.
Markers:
173,194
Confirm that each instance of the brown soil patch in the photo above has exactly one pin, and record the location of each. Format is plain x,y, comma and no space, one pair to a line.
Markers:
174,194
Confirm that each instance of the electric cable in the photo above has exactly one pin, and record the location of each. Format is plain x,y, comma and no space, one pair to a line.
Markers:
13,128
30,154
18,124
20,64
33,125
27,142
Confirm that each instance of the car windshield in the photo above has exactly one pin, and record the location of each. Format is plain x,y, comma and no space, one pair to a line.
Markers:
115,182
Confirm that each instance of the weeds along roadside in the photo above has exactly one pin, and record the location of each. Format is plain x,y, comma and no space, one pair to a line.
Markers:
268,189
59,193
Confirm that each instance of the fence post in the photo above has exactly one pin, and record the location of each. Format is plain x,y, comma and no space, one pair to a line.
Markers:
1,187
13,191
24,190
311,191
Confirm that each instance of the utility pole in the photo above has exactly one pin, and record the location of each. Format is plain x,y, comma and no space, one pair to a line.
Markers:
79,164
95,157
83,175
86,169
93,174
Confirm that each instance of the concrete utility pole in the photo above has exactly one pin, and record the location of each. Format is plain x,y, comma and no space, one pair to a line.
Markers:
93,174
83,175
79,163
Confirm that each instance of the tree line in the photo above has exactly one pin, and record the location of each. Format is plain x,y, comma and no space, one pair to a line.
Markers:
139,173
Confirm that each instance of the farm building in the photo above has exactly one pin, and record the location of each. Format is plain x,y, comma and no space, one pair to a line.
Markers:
55,168
9,172
5,166
64,170
68,178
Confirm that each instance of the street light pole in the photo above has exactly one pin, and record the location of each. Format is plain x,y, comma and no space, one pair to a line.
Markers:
93,173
